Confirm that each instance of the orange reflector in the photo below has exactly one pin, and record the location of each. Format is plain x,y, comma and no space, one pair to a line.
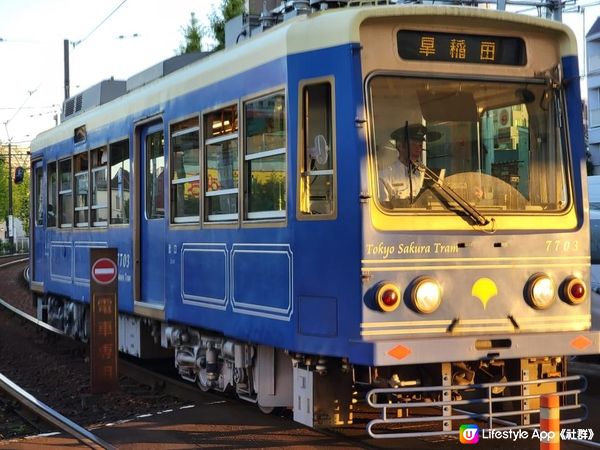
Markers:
399,352
549,401
580,342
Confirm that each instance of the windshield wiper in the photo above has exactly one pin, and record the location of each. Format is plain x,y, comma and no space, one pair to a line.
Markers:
469,209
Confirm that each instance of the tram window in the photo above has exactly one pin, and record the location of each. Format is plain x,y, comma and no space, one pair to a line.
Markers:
317,190
264,157
155,176
221,169
39,207
185,172
120,168
497,143
82,190
51,195
99,188
65,193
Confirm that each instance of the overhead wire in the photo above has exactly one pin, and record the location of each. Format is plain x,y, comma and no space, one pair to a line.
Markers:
32,92
99,25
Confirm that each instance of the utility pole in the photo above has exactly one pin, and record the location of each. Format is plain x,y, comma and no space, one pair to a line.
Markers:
11,223
66,59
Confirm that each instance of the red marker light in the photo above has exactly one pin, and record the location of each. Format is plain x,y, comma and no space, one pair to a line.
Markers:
388,297
577,291
574,291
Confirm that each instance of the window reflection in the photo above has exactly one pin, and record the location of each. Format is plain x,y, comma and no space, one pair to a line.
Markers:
265,156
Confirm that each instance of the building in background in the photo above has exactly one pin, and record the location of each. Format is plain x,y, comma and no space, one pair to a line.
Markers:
593,85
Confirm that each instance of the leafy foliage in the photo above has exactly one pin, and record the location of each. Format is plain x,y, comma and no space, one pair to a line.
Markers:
227,10
20,193
193,33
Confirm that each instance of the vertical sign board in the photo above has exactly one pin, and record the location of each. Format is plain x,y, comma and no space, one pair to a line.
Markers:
104,324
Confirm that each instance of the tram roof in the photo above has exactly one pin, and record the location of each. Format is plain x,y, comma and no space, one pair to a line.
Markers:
300,34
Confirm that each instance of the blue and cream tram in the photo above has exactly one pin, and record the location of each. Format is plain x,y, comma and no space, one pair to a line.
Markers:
258,242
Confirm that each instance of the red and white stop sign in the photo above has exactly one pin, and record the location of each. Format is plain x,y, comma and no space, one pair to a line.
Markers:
104,271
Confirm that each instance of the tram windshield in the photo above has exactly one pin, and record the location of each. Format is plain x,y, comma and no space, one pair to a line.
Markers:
496,144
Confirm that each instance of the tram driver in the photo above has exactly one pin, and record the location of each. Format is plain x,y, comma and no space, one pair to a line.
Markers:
402,180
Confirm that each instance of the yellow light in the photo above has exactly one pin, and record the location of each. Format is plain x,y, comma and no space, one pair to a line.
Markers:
426,295
541,291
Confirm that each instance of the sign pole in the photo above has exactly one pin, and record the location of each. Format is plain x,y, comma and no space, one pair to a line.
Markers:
104,346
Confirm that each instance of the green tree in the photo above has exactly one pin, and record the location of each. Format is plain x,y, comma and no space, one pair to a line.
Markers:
227,10
193,33
3,188
21,201
20,194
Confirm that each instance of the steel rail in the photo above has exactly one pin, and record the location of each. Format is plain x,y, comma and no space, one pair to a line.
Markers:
52,416
10,263
40,408
31,319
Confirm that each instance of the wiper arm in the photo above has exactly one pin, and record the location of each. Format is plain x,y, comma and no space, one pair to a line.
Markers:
469,209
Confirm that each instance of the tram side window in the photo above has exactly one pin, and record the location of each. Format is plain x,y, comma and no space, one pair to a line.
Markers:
185,171
221,169
264,157
317,181
65,193
120,168
51,195
39,207
99,188
155,176
81,164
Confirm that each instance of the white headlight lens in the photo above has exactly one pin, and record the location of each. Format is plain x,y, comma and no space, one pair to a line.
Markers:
426,295
542,291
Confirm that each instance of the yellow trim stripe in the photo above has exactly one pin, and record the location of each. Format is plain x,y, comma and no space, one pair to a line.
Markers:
556,318
459,329
411,331
578,318
407,323
585,259
482,266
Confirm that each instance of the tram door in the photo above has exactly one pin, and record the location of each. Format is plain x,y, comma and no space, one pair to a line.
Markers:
152,226
37,261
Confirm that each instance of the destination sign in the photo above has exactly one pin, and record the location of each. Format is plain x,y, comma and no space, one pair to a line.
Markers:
461,48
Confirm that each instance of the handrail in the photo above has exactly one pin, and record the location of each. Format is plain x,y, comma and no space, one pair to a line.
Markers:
449,407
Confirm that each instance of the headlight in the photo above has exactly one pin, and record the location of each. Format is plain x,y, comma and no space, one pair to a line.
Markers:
540,291
426,295
573,291
388,297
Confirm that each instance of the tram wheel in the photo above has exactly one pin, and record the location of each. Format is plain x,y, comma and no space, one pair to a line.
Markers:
202,381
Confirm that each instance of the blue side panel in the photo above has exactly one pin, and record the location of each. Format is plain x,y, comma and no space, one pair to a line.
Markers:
61,261
82,261
318,316
262,280
575,118
197,262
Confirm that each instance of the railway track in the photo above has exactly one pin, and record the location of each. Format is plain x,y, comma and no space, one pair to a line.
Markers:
36,409
40,366
51,416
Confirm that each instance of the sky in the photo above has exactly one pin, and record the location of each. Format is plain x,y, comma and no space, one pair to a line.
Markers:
31,49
